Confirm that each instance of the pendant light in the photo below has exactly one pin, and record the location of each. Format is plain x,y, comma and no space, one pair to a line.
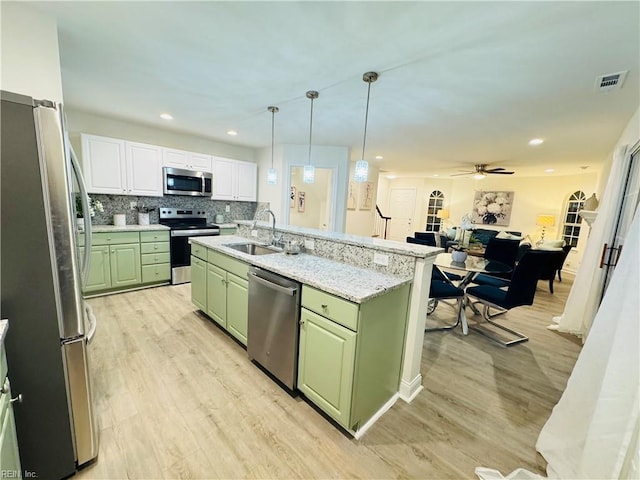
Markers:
362,166
309,173
272,174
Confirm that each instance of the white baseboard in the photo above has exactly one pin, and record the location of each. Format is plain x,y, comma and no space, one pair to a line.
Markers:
362,430
409,391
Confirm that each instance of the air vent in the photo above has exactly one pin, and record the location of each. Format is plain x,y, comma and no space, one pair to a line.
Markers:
610,81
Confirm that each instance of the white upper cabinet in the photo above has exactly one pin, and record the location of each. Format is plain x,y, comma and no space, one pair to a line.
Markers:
119,167
186,160
104,165
144,169
234,180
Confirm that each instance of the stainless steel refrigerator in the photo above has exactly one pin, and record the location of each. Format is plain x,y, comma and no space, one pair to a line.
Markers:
40,286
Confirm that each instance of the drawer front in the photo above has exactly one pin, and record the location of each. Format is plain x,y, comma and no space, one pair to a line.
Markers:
334,308
156,273
115,238
154,236
237,267
155,247
155,258
199,251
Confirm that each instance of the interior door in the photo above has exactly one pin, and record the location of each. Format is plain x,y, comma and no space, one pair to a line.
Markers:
630,199
401,207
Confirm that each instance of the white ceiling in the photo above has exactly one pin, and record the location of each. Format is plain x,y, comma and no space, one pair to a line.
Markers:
460,82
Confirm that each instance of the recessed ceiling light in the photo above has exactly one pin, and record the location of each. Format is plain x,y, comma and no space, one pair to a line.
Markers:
435,175
166,116
379,157
536,141
549,170
233,133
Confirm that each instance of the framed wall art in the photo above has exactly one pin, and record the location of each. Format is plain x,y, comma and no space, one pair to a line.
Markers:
366,195
492,208
301,201
351,198
292,197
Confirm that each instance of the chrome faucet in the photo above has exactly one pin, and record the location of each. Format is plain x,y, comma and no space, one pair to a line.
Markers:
274,240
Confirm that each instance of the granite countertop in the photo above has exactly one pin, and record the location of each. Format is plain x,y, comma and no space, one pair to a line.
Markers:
392,246
351,283
227,225
127,228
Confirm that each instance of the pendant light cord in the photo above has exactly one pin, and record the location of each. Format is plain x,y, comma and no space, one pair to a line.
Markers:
310,129
273,119
366,118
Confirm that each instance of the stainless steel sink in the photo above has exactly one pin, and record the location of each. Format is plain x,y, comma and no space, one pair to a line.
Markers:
252,249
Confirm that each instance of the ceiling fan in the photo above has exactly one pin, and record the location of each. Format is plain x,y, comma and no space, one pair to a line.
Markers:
482,171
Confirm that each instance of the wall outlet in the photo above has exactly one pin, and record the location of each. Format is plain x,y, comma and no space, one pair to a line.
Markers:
381,259
254,233
133,205
227,208
309,244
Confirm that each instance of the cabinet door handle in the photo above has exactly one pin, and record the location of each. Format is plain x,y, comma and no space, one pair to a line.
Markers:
301,322
17,399
324,306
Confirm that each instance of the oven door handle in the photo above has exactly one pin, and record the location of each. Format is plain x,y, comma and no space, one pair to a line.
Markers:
193,232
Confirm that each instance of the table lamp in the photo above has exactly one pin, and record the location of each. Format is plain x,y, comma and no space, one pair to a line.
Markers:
544,221
442,215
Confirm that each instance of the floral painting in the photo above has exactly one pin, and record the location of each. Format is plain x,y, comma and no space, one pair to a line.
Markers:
492,208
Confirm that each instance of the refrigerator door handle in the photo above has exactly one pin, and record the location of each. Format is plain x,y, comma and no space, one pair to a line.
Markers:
86,213
93,322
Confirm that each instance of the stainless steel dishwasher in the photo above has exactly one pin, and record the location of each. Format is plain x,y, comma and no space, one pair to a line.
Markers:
273,330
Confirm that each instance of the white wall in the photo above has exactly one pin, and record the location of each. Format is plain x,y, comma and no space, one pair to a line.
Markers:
317,199
30,60
271,194
85,122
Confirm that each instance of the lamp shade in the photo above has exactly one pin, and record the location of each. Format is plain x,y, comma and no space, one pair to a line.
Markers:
545,220
442,214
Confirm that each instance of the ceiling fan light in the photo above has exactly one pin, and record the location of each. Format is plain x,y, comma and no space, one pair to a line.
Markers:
479,176
362,171
309,174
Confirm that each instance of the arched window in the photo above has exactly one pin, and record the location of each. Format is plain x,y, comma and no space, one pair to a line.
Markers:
573,221
436,201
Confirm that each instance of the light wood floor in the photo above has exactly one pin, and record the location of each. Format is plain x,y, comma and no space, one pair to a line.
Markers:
177,398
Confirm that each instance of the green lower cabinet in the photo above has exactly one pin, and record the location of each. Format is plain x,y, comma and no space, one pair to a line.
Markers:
100,270
217,294
125,265
325,364
199,283
9,455
237,307
351,354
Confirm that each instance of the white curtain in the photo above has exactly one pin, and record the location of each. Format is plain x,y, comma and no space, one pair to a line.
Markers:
592,432
582,303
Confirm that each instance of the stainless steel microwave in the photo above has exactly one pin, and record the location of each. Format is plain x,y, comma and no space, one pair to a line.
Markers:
178,181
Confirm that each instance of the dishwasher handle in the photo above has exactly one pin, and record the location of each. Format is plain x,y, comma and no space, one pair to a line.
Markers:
286,290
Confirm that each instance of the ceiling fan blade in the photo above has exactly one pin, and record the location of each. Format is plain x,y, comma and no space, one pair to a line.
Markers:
494,169
458,174
499,173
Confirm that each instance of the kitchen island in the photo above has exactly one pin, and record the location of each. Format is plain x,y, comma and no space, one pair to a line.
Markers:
353,329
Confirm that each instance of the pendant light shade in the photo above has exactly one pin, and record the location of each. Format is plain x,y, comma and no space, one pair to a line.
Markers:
272,173
309,173
362,166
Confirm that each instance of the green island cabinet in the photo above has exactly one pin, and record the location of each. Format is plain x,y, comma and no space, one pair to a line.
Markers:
121,260
351,354
219,287
9,454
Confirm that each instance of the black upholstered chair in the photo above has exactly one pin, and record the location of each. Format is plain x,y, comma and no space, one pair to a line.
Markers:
554,266
423,238
521,291
442,289
501,250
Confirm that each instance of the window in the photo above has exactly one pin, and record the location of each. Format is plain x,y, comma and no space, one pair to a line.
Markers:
436,201
573,221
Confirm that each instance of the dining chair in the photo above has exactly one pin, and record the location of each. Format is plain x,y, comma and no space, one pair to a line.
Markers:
521,291
442,289
566,249
501,250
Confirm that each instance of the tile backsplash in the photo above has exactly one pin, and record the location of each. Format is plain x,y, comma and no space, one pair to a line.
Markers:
122,204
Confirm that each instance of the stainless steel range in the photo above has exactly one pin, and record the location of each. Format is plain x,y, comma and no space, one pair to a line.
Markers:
184,224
